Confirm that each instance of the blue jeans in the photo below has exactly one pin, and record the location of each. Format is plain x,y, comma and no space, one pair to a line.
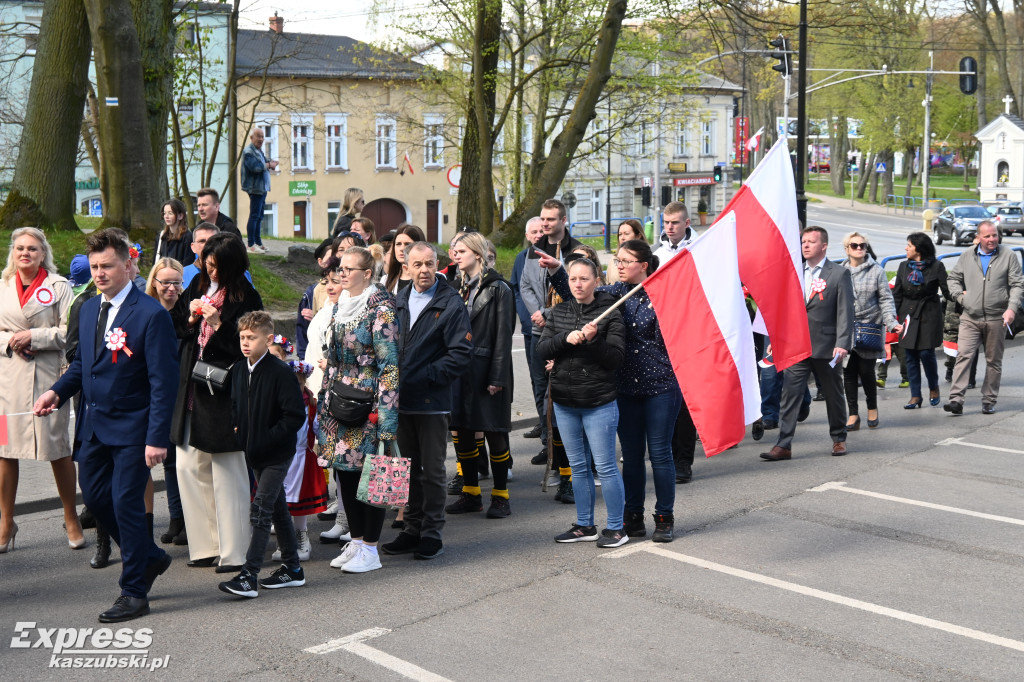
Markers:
647,422
171,479
599,424
915,359
252,228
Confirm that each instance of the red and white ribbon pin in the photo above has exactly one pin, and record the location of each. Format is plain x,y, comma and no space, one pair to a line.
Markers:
818,286
115,339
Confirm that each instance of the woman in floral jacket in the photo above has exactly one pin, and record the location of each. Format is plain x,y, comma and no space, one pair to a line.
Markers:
363,352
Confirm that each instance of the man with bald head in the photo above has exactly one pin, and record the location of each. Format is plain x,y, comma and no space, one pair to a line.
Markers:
256,183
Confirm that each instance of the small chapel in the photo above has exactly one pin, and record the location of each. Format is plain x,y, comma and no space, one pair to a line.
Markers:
1001,160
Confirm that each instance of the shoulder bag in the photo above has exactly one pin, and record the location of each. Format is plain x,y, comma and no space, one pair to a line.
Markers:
348,405
868,336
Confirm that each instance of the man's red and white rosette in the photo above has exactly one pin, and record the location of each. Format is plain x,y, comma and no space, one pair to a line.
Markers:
818,286
116,339
45,296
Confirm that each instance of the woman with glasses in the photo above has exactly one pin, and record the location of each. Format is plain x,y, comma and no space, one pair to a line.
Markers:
918,282
165,285
874,311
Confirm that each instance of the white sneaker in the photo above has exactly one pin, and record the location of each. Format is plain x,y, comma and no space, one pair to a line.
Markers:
510,474
364,562
305,547
337,533
347,554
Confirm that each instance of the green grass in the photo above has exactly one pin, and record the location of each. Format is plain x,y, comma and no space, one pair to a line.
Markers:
939,187
276,293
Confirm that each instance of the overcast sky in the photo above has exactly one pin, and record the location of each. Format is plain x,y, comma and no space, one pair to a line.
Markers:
333,17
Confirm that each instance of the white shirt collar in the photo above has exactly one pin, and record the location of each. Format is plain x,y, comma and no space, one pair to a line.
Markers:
252,365
118,298
810,266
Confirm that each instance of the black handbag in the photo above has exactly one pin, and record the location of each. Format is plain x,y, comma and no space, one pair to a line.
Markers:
868,336
348,405
213,377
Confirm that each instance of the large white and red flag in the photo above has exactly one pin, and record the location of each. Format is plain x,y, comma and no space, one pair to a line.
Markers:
770,262
709,340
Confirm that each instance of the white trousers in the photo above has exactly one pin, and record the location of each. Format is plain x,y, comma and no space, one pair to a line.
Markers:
215,500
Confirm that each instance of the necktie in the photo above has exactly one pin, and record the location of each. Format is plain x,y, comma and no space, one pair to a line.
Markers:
810,280
101,325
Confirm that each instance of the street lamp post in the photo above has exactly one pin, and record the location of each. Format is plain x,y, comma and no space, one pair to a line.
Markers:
926,147
801,116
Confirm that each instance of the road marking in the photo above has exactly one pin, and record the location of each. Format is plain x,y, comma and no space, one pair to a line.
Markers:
840,485
961,441
355,644
826,596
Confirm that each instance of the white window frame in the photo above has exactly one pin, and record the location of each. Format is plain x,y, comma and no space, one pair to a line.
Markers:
708,130
386,142
33,20
641,139
270,124
433,141
682,140
597,205
271,210
302,123
187,122
336,142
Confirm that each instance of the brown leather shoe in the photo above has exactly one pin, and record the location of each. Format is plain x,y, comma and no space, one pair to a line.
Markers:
777,454
838,449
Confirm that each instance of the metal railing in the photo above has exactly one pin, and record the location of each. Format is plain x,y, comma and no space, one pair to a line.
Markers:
601,233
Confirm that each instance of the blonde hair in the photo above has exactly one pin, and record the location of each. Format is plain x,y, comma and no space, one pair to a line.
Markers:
352,195
40,237
476,243
851,236
160,265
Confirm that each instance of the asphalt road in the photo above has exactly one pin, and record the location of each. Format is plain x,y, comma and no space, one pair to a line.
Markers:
902,561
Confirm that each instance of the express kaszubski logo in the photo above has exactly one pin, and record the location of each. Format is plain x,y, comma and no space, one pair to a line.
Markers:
90,647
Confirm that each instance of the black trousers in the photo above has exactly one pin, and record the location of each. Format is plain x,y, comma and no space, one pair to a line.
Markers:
863,369
364,521
423,438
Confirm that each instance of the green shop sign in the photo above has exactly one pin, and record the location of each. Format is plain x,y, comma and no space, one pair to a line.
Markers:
302,188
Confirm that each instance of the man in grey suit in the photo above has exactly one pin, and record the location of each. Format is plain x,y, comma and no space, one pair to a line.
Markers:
828,291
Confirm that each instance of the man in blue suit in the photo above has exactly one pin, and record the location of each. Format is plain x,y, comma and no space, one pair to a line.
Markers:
127,370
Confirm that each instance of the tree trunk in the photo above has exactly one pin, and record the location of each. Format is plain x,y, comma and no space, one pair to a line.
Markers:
565,145
982,82
43,189
127,151
154,23
840,144
867,172
887,158
476,188
909,153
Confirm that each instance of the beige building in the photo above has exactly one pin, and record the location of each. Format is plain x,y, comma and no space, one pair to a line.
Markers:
338,113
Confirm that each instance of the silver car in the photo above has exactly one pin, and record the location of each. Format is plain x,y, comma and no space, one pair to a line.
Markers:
959,224
1009,218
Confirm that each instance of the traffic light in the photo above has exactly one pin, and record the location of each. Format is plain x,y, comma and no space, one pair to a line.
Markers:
968,81
666,195
785,65
645,195
717,173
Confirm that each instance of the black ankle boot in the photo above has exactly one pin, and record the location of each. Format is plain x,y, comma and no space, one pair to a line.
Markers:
86,519
173,528
102,556
633,524
663,526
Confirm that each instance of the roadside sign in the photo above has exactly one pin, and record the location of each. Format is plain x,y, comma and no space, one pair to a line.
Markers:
302,188
880,167
96,208
455,175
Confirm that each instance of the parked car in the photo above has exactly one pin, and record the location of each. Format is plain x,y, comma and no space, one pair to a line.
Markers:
959,224
1009,218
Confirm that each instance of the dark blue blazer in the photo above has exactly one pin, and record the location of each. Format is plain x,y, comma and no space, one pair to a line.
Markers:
129,402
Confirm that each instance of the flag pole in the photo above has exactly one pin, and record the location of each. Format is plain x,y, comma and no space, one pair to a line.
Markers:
619,302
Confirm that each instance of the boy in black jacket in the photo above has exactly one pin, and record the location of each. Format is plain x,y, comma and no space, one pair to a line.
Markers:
267,411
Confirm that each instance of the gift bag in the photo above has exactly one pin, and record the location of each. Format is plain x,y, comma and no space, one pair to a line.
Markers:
385,478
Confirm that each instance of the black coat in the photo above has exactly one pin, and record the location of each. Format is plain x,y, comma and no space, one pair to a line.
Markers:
178,249
267,411
211,414
434,352
923,304
584,374
492,318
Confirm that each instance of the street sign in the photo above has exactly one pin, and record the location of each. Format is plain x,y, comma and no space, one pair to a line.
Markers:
647,180
880,167
302,188
96,208
569,199
455,175
689,182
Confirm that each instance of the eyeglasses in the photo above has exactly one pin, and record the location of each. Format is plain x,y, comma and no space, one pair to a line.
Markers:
168,283
349,271
621,261
858,245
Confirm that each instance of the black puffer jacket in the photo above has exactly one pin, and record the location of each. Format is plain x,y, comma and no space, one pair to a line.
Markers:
584,375
493,320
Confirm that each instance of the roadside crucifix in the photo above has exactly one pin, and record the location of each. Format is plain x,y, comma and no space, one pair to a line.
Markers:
1008,100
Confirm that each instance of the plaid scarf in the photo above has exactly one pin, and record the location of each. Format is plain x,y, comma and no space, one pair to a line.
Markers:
205,330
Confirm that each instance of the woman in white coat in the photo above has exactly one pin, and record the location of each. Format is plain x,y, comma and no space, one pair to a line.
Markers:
34,303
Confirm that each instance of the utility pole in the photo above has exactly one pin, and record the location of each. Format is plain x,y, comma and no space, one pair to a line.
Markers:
926,148
801,115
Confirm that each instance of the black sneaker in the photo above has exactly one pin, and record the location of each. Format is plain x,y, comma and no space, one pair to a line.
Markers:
578,534
684,473
465,504
757,430
403,544
565,494
612,538
954,408
540,458
633,524
804,413
455,485
535,431
663,526
429,548
284,577
244,585
499,508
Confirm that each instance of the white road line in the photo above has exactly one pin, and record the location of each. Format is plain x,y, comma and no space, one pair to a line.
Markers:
839,485
830,597
355,644
961,441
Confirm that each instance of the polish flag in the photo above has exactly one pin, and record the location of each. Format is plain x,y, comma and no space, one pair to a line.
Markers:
709,340
754,142
408,162
770,262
